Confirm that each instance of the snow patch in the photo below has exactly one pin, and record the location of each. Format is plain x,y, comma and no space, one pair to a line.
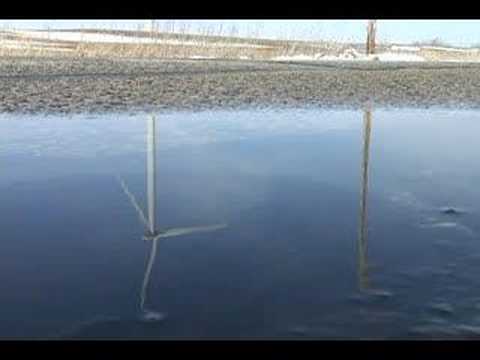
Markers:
13,44
296,58
123,39
199,57
404,48
440,48
390,56
349,54
352,55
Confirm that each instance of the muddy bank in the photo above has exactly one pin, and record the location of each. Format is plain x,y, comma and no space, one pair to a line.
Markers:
98,85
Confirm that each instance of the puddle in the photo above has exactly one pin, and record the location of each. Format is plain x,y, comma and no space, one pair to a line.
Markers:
238,224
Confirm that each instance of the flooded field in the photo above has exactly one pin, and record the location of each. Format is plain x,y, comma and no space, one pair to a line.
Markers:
291,223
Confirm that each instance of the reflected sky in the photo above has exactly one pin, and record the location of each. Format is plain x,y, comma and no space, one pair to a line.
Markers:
294,186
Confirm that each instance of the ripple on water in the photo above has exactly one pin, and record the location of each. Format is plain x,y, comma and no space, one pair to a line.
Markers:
448,210
443,308
153,316
300,330
448,225
465,329
380,293
434,330
370,295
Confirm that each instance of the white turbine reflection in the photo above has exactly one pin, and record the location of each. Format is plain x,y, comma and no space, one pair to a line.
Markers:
151,231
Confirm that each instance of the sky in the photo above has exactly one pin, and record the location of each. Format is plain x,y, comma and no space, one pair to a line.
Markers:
454,32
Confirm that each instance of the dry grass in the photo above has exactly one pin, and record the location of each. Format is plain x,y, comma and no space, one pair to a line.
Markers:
201,50
431,54
208,46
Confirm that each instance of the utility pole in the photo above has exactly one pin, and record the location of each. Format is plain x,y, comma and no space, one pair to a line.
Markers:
371,34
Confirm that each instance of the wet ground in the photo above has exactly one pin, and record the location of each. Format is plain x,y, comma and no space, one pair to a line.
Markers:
76,85
339,224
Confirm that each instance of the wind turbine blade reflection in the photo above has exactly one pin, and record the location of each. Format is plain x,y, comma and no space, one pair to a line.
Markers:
134,203
189,230
148,271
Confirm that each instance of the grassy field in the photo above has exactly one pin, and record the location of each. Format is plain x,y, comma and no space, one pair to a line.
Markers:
139,44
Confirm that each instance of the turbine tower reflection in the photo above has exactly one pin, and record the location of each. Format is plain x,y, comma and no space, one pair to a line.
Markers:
151,232
363,276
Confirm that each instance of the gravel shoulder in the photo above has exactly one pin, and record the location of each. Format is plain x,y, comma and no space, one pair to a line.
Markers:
73,85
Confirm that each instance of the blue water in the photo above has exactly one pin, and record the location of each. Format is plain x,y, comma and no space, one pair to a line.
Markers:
287,183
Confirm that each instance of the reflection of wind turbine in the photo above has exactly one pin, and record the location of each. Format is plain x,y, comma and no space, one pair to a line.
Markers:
363,230
151,232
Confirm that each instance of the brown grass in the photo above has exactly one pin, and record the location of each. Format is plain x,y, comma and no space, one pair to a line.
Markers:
214,46
442,55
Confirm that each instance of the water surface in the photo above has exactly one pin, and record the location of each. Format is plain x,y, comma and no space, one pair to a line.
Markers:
337,224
